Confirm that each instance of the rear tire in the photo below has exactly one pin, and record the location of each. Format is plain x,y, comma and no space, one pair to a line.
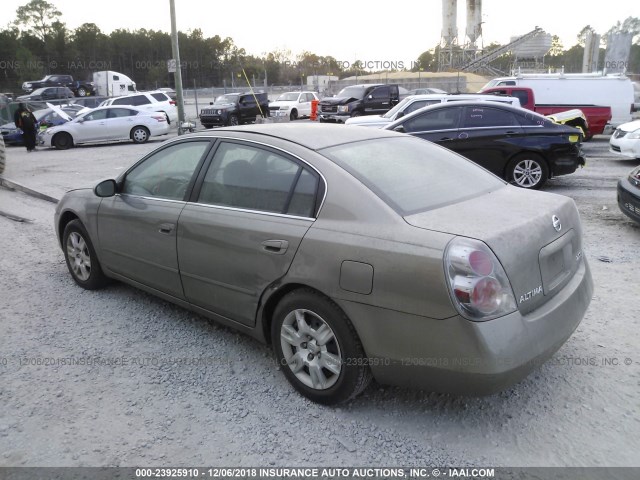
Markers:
62,141
81,257
527,170
318,348
82,92
139,134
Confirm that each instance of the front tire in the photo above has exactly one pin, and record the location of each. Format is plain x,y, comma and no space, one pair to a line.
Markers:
294,115
318,348
356,113
81,257
527,170
62,141
139,135
233,120
82,92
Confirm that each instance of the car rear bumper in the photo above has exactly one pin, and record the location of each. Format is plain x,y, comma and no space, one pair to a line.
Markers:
629,199
456,355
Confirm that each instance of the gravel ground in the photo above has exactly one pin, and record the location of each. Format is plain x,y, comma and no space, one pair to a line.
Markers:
153,384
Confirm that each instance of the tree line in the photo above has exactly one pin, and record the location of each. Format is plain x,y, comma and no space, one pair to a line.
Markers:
39,43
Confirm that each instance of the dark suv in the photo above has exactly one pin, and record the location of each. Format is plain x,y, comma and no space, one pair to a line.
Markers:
235,109
359,100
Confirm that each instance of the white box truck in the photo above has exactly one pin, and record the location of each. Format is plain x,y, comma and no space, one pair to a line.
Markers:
113,84
574,89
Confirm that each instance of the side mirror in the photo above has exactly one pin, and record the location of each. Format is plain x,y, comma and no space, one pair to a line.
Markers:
400,129
80,120
370,97
106,188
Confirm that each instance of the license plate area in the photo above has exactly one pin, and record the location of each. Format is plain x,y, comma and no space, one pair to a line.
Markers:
558,262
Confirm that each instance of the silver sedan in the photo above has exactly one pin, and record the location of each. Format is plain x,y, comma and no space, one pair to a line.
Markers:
356,253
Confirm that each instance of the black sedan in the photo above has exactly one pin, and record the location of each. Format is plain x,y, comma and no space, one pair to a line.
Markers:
629,195
518,145
47,93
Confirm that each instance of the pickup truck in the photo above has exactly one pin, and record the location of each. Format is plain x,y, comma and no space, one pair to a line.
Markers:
356,100
597,116
79,88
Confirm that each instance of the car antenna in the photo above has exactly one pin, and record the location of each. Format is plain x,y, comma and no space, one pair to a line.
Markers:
253,93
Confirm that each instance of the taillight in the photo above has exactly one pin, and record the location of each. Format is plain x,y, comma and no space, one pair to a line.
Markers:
172,102
159,118
479,286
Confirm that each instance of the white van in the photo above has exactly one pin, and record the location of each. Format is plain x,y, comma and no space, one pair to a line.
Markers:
415,102
576,89
113,84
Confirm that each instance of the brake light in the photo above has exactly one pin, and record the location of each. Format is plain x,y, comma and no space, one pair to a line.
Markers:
159,118
479,286
172,102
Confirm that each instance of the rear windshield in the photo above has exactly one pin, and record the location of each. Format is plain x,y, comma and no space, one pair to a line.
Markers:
412,175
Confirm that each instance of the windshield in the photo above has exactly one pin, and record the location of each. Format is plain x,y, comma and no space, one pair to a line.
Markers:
407,173
351,92
288,97
229,98
391,113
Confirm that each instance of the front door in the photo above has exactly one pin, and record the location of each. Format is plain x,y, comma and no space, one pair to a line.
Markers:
439,125
241,233
137,227
489,136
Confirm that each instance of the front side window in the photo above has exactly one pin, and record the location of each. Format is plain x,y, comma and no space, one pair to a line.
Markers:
440,119
380,93
95,115
166,173
252,178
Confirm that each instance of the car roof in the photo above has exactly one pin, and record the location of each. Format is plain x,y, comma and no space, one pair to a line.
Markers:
463,103
310,135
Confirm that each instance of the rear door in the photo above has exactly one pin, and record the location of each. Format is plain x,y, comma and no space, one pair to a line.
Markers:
248,216
120,121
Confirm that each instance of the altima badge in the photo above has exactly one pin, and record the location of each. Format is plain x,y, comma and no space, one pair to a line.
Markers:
556,223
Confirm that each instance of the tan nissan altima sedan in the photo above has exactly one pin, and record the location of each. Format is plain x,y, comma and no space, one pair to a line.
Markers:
355,252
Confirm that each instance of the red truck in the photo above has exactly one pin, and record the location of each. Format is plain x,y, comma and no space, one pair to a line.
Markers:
597,117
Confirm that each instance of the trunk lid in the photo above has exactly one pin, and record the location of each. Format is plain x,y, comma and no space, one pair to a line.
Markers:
521,228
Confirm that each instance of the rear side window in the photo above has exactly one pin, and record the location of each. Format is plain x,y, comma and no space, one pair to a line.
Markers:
412,175
252,178
121,112
161,97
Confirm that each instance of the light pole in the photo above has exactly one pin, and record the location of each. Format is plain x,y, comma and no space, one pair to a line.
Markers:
175,50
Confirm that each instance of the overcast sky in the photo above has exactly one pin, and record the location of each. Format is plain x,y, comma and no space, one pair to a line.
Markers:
346,30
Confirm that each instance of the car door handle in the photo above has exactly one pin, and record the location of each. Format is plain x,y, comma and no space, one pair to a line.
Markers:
278,247
166,228
444,139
